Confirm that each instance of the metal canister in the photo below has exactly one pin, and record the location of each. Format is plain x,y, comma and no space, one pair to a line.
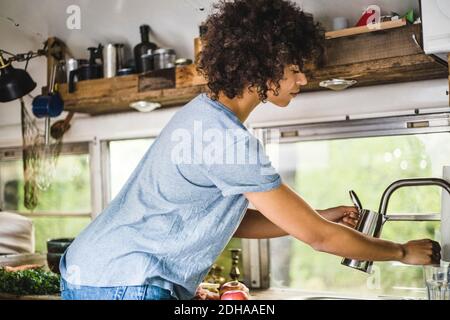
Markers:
147,61
71,64
164,58
110,65
183,62
120,56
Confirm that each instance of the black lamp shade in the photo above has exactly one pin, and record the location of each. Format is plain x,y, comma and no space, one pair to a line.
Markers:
14,83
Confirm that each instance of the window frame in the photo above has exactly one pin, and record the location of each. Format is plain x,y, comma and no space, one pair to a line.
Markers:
257,252
77,148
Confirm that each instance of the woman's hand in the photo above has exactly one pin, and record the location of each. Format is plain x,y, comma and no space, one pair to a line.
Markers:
421,252
345,215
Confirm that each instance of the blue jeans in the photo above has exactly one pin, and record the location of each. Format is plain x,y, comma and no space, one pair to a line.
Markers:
144,292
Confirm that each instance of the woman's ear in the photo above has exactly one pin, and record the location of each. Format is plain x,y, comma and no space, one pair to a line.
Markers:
252,89
270,84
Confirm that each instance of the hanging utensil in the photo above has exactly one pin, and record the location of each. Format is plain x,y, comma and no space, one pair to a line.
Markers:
59,128
49,105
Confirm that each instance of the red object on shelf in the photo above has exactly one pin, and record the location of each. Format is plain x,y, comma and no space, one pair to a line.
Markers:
364,20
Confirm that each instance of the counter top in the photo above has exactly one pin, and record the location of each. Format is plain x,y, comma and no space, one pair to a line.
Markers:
18,259
296,294
267,294
6,296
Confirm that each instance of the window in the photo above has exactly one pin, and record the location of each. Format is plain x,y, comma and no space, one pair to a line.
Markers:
54,227
367,157
124,156
64,209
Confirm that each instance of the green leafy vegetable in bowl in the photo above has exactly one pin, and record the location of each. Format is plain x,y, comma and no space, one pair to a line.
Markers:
29,282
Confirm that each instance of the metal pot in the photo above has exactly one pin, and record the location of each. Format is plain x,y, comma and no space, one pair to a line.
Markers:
164,58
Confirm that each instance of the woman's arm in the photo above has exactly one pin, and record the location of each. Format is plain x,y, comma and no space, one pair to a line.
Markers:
255,225
287,210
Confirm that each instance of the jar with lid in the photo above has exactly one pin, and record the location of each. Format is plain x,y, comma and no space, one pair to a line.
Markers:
164,59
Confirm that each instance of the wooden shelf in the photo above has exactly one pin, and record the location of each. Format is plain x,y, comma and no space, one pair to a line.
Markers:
365,29
111,95
391,54
381,57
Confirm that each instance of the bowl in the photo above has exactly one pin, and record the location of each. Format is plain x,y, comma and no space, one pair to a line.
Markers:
53,261
58,245
337,84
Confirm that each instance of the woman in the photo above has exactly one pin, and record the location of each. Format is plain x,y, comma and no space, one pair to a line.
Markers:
189,194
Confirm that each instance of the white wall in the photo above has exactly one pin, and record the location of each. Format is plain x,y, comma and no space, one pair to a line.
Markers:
16,41
119,20
174,22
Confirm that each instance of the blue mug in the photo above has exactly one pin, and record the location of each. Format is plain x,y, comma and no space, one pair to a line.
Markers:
50,105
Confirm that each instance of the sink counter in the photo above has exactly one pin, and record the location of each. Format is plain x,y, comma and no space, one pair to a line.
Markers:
297,294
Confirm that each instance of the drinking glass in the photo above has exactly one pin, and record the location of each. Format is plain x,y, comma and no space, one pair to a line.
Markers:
437,282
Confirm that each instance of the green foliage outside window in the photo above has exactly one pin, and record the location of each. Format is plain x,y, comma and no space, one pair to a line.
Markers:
69,193
326,170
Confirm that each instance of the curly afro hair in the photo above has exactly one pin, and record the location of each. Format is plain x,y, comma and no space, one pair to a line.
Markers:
250,42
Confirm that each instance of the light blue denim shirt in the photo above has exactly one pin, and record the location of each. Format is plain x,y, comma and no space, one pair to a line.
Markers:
179,208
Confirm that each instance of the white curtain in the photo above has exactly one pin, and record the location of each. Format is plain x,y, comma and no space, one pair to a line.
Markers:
16,234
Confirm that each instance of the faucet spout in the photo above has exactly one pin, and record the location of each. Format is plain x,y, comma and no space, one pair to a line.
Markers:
413,182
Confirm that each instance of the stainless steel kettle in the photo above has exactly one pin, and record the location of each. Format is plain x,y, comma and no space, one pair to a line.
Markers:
370,223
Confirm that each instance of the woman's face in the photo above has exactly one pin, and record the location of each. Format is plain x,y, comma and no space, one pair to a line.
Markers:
290,85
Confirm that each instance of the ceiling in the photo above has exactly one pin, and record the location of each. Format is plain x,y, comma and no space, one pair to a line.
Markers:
174,23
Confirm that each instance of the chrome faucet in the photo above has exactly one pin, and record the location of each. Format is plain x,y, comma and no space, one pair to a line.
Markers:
413,182
372,222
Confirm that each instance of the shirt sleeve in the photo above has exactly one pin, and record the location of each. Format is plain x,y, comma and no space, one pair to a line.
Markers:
244,168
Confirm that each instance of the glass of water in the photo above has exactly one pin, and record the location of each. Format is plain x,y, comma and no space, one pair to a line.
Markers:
437,282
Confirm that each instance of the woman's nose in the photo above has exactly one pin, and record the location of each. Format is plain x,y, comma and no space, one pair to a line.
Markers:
302,81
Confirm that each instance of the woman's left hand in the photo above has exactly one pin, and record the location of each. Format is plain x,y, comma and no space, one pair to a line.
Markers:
346,215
